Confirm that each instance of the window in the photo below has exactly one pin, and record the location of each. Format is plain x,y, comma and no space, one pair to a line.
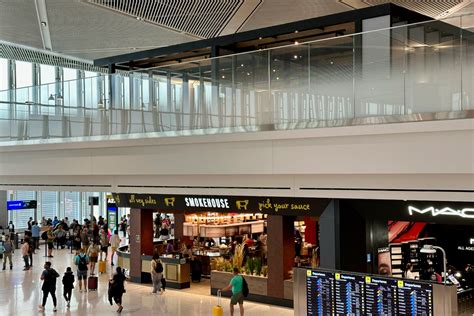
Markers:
49,205
72,205
24,74
48,83
3,74
20,217
70,87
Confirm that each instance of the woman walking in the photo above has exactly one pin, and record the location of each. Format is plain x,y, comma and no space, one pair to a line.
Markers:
117,288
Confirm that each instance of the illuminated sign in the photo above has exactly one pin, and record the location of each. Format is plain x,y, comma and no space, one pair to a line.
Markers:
21,205
447,211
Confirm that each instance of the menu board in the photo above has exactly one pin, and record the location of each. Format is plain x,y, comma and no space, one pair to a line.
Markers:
320,289
414,298
349,294
380,296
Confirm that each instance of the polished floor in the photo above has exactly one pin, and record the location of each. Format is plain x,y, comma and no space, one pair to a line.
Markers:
20,294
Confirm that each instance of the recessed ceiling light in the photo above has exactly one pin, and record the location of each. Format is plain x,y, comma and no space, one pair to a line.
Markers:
296,42
296,31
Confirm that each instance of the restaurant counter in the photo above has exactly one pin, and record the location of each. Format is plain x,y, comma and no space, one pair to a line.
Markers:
177,272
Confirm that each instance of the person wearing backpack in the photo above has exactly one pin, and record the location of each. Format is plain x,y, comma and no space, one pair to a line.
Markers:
82,260
156,273
68,285
93,253
49,277
239,291
7,252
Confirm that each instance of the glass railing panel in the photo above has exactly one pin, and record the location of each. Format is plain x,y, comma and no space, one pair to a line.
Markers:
379,66
331,79
289,74
433,74
467,68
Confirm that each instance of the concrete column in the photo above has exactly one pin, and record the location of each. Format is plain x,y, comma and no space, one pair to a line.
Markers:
281,253
329,237
141,240
178,226
3,206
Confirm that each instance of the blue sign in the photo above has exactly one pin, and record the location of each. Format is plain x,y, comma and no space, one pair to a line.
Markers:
20,205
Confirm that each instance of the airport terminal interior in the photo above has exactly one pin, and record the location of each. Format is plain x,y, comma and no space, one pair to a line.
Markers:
237,157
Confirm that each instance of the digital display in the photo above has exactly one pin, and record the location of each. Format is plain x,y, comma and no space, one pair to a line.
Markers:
414,298
334,293
320,289
349,294
380,296
21,205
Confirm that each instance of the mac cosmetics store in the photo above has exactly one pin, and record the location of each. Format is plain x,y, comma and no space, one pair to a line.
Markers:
385,238
206,236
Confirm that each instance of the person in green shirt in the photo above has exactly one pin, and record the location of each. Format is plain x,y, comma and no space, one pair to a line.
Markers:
236,284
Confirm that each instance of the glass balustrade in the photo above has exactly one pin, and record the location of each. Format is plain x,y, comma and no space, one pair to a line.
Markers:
404,73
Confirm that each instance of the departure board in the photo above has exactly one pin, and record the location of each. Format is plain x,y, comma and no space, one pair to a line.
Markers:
414,298
380,296
320,289
349,294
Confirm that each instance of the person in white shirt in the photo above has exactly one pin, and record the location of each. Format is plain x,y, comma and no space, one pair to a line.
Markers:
114,243
409,274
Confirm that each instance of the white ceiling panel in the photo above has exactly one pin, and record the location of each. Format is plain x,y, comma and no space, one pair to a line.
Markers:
274,12
81,29
19,22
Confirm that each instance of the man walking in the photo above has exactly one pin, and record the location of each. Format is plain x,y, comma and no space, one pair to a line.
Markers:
237,286
35,234
25,254
49,277
81,261
8,250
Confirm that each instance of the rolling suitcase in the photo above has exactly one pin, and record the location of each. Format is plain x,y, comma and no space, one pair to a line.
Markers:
102,266
92,282
218,310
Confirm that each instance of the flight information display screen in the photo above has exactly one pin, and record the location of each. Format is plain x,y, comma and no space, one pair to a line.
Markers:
320,289
349,294
414,298
339,293
380,296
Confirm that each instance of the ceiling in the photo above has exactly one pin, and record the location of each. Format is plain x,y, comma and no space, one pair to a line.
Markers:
91,29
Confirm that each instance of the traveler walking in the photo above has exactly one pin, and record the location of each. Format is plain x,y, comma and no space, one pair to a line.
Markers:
31,249
93,253
35,234
237,286
49,277
24,253
30,223
156,272
115,243
50,241
104,243
8,250
68,285
117,288
81,261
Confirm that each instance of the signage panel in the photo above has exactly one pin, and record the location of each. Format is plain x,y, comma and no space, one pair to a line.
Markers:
349,294
320,289
239,204
414,298
21,205
380,296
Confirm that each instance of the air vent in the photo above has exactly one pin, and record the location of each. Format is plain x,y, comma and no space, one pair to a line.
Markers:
200,18
23,53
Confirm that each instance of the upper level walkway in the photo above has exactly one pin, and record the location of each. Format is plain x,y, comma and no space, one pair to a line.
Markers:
421,71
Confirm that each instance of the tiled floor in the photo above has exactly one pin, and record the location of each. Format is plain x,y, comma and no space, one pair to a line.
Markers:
20,295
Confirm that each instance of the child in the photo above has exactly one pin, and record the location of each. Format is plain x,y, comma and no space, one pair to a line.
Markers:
68,283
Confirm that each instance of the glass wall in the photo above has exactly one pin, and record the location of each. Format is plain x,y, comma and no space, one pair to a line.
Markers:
73,205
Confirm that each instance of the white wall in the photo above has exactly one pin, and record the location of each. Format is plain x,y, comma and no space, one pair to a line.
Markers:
424,160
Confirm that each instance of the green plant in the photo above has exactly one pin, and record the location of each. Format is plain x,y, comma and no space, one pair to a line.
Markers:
264,270
238,257
258,266
249,266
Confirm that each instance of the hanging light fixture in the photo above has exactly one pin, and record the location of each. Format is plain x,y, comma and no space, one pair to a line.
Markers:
51,97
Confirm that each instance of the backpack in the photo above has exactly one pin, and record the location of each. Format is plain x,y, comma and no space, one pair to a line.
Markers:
245,287
82,266
7,247
44,235
158,267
